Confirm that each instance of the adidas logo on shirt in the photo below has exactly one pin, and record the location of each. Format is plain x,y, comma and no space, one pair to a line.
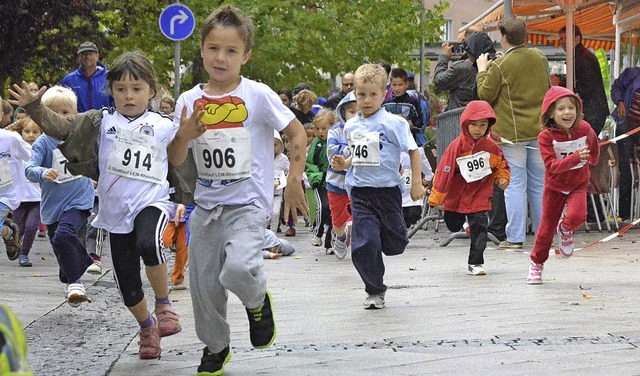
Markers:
111,130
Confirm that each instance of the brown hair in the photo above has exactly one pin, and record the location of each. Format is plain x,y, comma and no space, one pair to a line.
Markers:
133,64
399,73
230,16
305,100
514,29
546,119
20,125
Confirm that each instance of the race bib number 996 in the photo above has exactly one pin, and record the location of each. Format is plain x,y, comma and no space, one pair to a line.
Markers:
474,167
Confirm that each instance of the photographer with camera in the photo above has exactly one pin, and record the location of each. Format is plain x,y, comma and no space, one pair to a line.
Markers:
459,77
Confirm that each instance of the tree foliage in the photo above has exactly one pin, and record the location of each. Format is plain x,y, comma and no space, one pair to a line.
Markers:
296,40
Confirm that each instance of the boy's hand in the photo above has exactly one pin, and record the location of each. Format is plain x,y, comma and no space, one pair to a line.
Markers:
51,175
23,95
502,183
417,190
180,212
294,198
192,126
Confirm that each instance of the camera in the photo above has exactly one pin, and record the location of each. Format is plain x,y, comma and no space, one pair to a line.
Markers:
458,48
492,56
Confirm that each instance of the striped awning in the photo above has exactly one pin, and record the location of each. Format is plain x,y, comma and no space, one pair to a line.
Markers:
594,17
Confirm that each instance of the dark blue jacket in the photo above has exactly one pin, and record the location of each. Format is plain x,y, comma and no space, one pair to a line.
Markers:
92,93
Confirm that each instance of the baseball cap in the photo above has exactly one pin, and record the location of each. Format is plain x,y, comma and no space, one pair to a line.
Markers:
87,46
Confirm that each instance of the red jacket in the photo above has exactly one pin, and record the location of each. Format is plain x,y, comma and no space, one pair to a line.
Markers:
449,187
558,175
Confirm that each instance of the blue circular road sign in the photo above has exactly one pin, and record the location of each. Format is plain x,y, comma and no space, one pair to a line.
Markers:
177,22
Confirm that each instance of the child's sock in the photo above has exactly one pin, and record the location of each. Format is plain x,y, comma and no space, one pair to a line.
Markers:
164,300
148,322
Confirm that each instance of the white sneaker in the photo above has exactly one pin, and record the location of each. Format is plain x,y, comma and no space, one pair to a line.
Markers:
95,268
76,294
565,241
316,241
374,301
535,274
476,270
339,248
178,286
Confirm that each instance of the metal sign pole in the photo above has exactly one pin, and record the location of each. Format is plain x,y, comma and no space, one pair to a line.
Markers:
176,70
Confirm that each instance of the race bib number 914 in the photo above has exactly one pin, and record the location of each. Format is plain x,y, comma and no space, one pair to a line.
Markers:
137,156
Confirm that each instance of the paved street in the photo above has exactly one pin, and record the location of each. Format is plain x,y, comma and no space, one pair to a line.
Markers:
584,319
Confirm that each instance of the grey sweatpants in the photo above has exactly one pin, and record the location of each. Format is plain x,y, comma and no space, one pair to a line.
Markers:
225,253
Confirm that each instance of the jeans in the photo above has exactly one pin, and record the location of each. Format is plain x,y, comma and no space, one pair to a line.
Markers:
527,182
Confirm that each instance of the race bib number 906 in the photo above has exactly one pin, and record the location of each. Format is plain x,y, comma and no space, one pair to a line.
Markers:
223,154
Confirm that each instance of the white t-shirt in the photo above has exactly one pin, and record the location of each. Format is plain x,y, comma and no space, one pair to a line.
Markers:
13,153
280,168
256,108
123,197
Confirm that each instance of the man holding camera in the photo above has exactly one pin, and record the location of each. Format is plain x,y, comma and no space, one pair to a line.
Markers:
459,77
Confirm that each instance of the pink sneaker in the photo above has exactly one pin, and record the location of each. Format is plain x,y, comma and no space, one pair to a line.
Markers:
168,320
535,274
565,241
150,342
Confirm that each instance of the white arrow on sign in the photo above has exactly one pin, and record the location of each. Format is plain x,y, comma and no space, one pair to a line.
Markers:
182,17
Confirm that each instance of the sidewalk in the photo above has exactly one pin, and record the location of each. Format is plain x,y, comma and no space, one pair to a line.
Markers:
584,319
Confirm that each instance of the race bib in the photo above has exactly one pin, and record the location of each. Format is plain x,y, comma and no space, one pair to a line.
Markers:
224,154
279,179
474,167
406,177
5,174
564,149
365,149
137,156
59,162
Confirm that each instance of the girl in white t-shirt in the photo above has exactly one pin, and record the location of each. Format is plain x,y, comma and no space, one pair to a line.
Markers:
27,215
127,145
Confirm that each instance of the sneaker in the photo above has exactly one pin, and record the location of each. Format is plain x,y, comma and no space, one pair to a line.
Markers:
535,274
339,248
565,241
465,227
329,251
375,301
262,327
95,268
42,234
12,244
150,342
168,320
316,241
291,231
508,244
179,286
476,270
212,364
23,260
76,294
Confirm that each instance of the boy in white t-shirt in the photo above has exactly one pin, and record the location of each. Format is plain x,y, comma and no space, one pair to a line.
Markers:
229,122
373,180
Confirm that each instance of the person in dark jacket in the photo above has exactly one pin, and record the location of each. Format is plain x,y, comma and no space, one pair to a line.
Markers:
589,85
347,86
459,77
89,80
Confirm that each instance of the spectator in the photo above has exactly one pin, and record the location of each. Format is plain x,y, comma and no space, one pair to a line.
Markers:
19,113
167,105
347,86
517,100
89,80
589,85
304,100
459,77
6,114
625,93
286,96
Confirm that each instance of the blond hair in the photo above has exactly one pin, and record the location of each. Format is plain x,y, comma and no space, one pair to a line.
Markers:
371,73
20,125
326,114
305,100
59,94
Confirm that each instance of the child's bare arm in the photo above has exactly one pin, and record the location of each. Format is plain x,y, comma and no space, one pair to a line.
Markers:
294,198
417,189
190,127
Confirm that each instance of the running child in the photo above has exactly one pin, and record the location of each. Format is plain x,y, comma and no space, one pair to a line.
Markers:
568,146
27,215
127,144
373,180
465,176
339,202
229,122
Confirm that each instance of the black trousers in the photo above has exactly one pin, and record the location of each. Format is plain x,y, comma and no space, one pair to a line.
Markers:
477,231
